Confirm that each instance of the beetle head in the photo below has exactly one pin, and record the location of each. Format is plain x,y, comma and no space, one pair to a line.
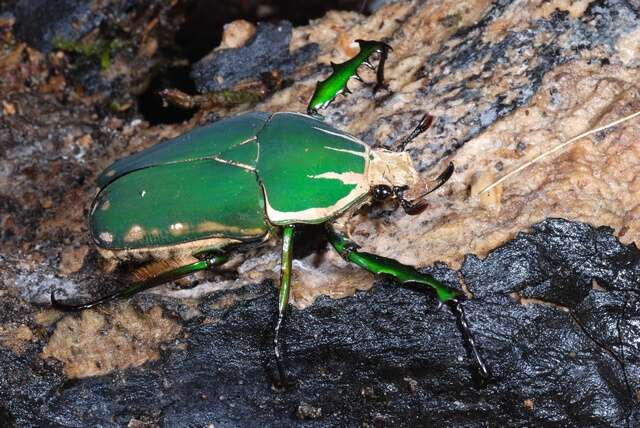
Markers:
391,169
392,175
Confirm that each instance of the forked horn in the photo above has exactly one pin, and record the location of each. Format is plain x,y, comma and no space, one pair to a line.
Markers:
423,125
419,204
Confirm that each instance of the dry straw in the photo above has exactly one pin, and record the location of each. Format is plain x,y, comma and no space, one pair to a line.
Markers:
558,147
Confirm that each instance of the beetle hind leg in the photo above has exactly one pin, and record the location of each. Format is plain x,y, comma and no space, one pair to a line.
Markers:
206,261
407,274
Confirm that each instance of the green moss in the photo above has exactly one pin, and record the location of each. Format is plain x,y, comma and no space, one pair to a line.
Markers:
239,97
100,50
76,47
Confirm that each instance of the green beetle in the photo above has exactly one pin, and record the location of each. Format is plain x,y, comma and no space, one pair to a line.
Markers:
184,203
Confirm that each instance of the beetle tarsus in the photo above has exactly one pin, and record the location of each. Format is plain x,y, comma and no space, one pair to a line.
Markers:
56,304
282,376
380,84
467,337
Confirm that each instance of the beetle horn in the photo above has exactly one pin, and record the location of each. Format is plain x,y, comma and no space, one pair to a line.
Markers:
423,125
418,204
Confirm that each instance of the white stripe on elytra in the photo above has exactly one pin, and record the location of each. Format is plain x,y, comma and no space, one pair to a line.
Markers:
315,214
257,151
295,113
345,177
337,134
238,164
246,141
353,152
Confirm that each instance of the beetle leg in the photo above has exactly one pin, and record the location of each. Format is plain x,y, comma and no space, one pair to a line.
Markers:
336,83
382,265
283,298
408,274
207,261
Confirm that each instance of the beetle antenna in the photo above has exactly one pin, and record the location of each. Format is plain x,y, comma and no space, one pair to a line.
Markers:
417,205
423,125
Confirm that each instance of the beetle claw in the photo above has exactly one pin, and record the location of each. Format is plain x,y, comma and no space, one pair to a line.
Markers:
380,86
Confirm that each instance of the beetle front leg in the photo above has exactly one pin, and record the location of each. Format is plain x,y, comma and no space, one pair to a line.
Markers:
336,83
408,274
283,298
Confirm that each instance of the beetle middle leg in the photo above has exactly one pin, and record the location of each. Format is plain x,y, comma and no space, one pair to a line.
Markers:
283,298
406,274
206,261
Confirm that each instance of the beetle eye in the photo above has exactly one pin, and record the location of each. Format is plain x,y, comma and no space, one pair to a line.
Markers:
381,192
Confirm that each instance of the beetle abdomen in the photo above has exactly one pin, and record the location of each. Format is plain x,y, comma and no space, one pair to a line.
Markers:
176,203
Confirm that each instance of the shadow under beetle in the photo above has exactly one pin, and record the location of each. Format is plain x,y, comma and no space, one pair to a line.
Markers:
245,179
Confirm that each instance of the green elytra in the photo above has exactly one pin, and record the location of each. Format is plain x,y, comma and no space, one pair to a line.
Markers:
246,179
244,170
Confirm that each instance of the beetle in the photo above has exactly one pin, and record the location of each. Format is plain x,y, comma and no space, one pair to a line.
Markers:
185,203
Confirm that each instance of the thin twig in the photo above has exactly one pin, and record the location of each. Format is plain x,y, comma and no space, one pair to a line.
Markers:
558,147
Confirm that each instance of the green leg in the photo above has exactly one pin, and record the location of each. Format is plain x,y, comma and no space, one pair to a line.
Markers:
336,83
283,299
207,260
382,265
408,274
